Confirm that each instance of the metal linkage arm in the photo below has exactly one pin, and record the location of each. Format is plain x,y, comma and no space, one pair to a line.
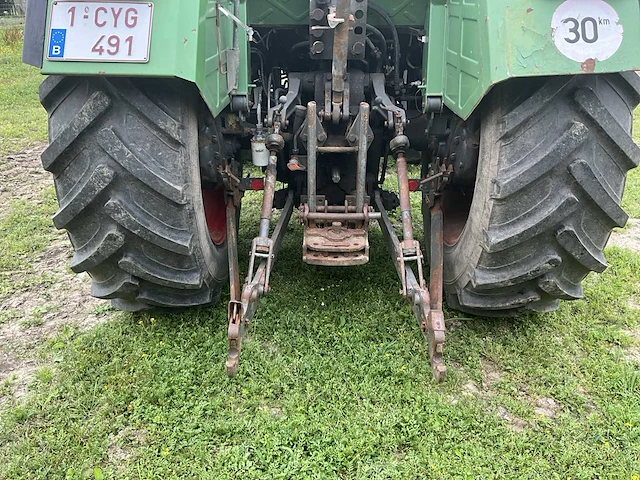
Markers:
242,306
427,309
257,284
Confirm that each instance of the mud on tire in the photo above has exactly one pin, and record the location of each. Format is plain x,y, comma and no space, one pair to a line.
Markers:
124,156
553,160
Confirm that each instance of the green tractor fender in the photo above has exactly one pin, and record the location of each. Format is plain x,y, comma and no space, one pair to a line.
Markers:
475,44
470,45
192,40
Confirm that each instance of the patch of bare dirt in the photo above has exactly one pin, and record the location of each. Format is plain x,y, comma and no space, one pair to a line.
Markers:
546,407
632,353
38,311
486,393
21,372
470,389
627,238
122,444
274,411
515,423
22,177
490,373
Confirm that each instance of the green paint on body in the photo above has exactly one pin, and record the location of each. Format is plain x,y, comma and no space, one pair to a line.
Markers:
184,44
471,44
489,41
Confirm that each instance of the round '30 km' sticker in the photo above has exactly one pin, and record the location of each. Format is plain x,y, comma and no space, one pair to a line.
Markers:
586,29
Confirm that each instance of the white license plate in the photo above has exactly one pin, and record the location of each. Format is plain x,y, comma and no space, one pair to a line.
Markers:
100,31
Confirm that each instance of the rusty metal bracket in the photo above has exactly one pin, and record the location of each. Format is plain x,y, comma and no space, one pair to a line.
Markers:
435,329
232,185
360,126
425,303
432,186
383,104
285,109
243,307
236,328
341,26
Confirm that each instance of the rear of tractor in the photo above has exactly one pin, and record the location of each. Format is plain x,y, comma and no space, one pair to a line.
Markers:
519,112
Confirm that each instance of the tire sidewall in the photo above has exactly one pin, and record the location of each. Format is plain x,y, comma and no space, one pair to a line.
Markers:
466,252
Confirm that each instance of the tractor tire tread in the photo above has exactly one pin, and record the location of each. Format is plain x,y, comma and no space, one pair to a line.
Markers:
559,162
121,152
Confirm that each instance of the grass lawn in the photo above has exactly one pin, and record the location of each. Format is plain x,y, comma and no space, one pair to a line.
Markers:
334,379
631,200
22,119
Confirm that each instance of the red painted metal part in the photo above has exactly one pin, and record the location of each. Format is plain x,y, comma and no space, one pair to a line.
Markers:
215,213
455,207
257,184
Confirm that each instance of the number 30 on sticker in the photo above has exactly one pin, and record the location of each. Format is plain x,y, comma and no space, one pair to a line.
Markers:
586,29
580,30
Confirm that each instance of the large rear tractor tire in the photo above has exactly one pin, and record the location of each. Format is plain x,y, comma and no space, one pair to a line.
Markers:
124,156
554,154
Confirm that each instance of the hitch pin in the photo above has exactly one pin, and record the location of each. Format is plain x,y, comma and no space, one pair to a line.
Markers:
237,21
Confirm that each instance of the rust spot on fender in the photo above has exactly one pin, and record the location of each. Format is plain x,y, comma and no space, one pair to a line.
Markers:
184,41
529,10
589,65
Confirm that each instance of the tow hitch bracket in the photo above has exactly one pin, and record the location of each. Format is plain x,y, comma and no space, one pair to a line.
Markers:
338,235
426,303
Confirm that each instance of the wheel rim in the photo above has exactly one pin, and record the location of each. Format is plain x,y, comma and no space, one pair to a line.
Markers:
216,214
456,205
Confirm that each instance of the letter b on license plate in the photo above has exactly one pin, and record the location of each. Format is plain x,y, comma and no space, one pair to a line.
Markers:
100,31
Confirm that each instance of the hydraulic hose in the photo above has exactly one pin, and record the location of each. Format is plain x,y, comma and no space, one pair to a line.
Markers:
377,53
396,41
381,37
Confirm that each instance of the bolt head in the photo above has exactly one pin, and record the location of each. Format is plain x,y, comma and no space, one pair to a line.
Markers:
317,47
317,14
